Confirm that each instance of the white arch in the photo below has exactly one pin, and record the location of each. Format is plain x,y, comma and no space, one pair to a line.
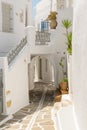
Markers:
51,59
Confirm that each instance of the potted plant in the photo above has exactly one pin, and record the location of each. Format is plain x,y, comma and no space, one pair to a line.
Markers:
67,24
52,18
63,85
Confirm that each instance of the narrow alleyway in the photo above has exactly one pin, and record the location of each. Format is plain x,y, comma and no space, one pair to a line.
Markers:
37,115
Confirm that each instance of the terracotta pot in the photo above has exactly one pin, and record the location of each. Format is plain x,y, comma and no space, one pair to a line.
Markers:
53,24
57,98
64,91
63,86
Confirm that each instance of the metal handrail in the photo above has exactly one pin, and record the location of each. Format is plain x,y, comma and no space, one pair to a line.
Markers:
42,37
15,51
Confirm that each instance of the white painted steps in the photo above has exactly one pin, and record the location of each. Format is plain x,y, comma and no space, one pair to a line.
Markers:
63,114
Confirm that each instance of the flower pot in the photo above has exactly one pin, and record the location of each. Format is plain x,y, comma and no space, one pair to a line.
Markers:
64,91
63,86
53,24
57,98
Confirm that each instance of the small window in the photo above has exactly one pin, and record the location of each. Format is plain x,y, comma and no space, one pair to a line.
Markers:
7,17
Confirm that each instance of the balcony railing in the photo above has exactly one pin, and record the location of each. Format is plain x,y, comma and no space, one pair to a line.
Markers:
42,38
15,51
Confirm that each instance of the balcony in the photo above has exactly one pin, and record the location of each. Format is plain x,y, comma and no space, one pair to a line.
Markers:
42,38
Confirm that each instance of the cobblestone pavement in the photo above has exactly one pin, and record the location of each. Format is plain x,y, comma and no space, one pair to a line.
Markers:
37,115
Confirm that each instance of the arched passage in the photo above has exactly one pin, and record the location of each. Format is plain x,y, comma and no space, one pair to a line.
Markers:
41,69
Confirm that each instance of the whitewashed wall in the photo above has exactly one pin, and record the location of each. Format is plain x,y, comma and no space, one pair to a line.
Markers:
57,45
58,38
16,81
69,3
79,67
31,74
10,39
36,78
46,74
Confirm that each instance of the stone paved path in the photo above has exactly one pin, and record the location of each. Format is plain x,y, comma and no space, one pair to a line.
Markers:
37,115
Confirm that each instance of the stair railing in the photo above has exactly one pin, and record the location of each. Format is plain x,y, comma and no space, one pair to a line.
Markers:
15,51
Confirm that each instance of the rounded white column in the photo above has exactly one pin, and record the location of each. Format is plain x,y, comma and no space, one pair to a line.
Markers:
79,65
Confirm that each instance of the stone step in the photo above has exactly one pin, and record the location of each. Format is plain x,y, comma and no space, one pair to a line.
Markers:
4,119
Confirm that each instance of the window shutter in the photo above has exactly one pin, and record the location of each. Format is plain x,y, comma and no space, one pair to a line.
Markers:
7,17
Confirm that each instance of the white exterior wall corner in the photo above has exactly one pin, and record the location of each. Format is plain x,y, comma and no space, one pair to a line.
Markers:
10,39
16,80
79,63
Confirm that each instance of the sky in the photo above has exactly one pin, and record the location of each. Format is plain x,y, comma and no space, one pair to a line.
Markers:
34,2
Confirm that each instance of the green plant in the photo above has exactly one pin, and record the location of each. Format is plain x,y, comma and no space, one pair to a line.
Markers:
67,24
65,80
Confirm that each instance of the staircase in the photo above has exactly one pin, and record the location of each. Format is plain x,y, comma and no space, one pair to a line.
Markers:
15,51
13,65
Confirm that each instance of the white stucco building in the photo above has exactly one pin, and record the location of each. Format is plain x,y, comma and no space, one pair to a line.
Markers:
44,7
21,56
24,60
13,21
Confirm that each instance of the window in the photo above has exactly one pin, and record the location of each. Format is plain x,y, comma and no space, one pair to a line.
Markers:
7,17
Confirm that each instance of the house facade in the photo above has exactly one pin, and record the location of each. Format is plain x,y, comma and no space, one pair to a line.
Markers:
14,55
25,57
20,48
